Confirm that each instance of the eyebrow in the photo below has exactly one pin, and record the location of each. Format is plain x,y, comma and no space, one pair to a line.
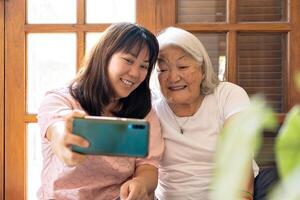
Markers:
164,59
181,57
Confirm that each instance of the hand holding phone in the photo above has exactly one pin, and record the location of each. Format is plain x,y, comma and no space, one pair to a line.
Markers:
112,136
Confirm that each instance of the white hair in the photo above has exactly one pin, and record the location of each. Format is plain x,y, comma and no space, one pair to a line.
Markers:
193,46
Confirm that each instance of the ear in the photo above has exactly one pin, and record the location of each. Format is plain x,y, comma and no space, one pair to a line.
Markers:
203,78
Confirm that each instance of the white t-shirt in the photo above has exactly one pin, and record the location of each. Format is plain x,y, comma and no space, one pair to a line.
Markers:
187,166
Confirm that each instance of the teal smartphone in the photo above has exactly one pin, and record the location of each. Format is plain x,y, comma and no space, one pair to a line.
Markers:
112,136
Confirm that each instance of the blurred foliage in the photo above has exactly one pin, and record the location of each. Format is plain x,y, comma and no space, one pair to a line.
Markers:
238,144
288,155
288,188
288,143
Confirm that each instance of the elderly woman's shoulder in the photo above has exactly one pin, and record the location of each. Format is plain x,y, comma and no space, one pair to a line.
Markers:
228,87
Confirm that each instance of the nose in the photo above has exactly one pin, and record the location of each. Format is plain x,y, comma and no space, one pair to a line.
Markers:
174,75
134,71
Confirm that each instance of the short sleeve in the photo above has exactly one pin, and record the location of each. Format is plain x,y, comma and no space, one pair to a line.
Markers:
53,106
232,99
156,142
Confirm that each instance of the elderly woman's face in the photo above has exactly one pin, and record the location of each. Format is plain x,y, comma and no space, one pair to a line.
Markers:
179,75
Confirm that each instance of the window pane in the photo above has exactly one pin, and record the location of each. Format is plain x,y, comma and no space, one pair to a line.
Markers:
215,44
90,40
34,160
262,10
260,65
112,11
191,11
51,64
51,12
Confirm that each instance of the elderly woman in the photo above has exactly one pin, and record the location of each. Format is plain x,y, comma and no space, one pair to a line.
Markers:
192,106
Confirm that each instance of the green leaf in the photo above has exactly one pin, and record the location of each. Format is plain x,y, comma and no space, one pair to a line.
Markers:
239,142
288,188
288,143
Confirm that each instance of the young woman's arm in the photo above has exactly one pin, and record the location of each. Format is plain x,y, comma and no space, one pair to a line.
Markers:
61,138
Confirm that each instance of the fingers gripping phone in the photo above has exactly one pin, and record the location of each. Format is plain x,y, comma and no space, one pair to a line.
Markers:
112,136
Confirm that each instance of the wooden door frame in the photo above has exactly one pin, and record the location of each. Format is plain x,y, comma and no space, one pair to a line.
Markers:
15,119
15,160
2,99
294,48
12,121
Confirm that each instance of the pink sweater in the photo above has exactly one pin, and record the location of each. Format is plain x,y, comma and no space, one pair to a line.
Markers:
99,177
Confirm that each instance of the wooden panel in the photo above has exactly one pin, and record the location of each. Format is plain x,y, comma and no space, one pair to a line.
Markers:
257,75
261,10
15,117
2,100
56,28
80,11
145,14
294,53
231,55
266,154
260,68
215,44
163,22
200,11
80,34
15,137
166,14
30,118
231,15
243,27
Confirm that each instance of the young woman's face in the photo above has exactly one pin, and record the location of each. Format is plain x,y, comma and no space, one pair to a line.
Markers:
127,70
179,75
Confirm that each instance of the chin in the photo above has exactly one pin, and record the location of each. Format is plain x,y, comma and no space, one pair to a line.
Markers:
124,95
178,100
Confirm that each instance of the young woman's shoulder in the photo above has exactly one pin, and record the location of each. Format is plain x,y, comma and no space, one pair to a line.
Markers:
60,97
62,91
152,115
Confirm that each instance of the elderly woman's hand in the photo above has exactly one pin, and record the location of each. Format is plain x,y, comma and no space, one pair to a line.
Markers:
61,137
134,189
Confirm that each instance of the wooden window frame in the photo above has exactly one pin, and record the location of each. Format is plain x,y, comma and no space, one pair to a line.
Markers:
157,14
2,99
16,118
166,16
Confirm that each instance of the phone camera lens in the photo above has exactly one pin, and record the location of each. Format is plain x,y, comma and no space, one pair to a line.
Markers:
137,126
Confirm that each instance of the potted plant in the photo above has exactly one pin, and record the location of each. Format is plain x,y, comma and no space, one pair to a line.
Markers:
240,141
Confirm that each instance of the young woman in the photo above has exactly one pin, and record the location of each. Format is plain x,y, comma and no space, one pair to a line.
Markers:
113,82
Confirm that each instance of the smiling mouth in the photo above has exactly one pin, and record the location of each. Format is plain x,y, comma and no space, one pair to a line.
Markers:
176,88
127,82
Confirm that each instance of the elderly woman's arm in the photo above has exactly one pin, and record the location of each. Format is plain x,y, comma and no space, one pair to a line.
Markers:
248,187
142,185
149,175
247,193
